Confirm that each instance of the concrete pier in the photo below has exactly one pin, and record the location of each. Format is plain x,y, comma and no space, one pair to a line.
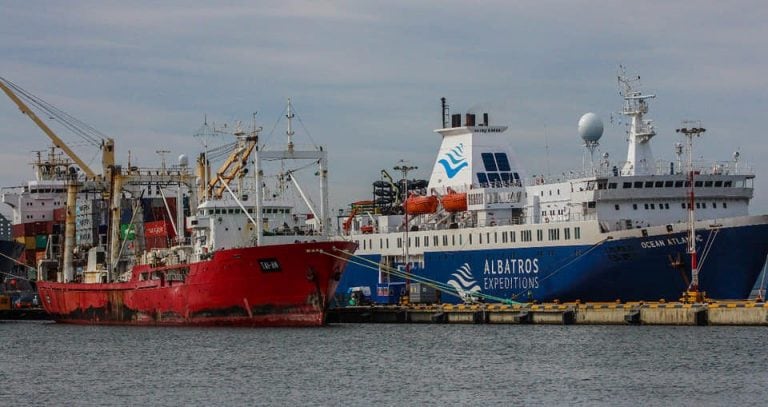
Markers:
645,313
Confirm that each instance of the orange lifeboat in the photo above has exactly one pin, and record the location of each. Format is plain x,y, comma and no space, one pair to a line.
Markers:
455,201
419,205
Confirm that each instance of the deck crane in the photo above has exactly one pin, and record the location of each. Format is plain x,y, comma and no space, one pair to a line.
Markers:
107,145
109,181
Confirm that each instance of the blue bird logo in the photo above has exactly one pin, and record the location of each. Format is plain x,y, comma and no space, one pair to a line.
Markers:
457,161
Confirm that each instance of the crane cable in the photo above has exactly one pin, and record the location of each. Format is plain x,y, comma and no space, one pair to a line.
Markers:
74,125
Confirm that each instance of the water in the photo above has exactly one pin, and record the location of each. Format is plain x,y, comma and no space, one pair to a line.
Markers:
350,365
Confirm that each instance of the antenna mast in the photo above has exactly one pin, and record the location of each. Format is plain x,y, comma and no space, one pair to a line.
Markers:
693,294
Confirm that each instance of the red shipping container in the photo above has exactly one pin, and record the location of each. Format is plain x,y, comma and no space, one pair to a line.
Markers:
159,228
41,228
17,230
156,242
60,215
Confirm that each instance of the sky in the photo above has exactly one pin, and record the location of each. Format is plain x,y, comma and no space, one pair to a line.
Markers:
366,77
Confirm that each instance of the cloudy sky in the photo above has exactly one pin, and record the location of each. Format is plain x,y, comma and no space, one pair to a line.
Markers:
366,77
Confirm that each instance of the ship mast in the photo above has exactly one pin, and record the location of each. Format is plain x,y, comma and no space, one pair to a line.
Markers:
693,294
639,155
404,168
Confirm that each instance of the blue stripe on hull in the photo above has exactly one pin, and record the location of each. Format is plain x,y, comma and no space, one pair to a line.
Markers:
627,269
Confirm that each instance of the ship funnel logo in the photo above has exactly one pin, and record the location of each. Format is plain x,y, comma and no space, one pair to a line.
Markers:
464,283
454,161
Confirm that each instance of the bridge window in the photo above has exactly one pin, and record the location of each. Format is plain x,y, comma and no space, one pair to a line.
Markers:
539,235
512,236
616,206
577,233
567,233
707,183
649,184
612,185
728,184
678,184
638,184
668,184
627,185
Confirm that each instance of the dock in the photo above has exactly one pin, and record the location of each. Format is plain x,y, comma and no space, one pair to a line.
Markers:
735,313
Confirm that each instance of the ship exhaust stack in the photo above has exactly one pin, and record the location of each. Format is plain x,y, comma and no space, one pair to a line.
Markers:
470,121
444,106
455,120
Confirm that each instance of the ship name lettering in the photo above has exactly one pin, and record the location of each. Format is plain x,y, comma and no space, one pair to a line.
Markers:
511,266
511,283
652,244
672,241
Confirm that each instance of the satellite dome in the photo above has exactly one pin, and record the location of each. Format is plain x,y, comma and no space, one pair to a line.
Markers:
590,128
183,161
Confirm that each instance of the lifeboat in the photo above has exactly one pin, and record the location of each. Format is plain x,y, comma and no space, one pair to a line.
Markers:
455,202
367,229
419,205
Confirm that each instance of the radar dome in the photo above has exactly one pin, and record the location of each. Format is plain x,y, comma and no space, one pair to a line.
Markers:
590,128
183,161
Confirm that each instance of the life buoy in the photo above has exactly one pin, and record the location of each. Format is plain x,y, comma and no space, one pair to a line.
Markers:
546,220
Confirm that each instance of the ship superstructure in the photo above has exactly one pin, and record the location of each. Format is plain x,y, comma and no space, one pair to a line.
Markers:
608,231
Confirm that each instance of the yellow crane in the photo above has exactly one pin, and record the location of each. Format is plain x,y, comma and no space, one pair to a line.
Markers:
107,144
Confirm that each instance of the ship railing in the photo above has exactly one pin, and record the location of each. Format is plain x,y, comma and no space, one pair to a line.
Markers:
663,167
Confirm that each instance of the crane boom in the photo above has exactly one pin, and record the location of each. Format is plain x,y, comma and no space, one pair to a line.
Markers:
47,130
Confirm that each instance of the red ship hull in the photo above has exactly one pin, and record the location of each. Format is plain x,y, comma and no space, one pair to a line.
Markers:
280,285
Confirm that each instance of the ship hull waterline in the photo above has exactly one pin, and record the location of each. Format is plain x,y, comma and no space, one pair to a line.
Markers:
276,285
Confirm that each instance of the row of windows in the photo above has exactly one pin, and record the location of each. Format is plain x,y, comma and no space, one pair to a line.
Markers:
223,211
481,238
47,190
665,205
665,184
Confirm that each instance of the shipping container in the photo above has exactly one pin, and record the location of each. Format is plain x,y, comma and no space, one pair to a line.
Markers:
41,228
60,215
41,241
156,242
28,257
159,228
29,242
128,232
422,293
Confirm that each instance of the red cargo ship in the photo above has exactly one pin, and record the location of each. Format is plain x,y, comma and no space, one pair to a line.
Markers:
280,285
163,246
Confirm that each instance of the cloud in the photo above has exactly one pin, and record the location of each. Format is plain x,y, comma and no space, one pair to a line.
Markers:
368,76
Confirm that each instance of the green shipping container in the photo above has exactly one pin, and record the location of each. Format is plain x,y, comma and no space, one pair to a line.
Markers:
41,241
127,234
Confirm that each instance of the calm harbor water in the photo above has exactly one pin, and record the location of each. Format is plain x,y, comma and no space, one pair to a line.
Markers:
350,364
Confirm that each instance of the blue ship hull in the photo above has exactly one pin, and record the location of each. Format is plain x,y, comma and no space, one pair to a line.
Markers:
629,269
